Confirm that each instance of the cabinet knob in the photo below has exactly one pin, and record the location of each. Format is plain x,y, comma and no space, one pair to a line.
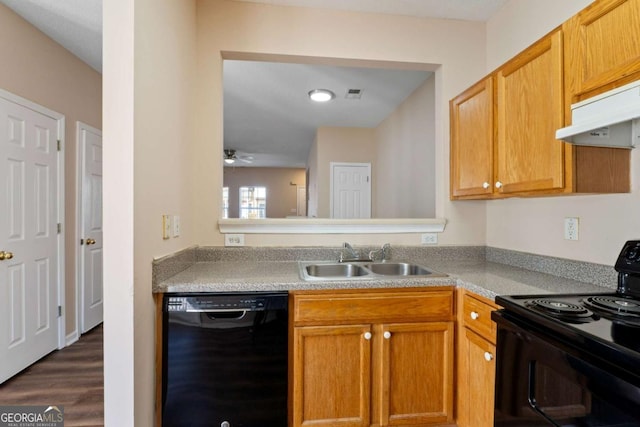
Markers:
485,185
498,184
367,335
387,335
474,315
488,356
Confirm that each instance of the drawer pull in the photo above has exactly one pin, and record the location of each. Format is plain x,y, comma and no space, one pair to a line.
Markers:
474,315
387,335
367,335
488,356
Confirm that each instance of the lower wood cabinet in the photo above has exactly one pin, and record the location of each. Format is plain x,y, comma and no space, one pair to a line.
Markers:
373,364
476,361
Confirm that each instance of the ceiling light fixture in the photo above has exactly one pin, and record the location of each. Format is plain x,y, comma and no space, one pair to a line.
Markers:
321,95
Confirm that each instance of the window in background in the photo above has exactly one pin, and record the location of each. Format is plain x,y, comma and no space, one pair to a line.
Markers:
253,202
225,202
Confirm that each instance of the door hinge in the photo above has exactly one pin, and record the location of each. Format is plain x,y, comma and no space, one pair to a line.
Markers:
59,228
367,179
59,145
59,311
81,242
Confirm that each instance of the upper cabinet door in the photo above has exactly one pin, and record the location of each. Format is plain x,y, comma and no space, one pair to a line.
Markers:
603,43
471,115
529,110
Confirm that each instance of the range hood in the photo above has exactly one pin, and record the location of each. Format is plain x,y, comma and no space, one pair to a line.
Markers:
611,119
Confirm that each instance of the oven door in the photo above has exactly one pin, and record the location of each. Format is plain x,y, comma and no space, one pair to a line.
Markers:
543,382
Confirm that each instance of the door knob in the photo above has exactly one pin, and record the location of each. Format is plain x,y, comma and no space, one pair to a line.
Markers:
90,242
5,255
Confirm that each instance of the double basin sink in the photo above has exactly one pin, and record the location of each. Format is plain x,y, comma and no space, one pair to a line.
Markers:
363,270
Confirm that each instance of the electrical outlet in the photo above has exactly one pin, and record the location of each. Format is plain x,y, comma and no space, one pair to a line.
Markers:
571,228
176,225
429,238
234,239
166,226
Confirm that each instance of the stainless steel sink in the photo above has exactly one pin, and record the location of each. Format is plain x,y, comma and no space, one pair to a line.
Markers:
398,269
335,270
352,271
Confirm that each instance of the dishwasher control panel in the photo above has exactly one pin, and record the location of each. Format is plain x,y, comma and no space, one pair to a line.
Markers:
224,302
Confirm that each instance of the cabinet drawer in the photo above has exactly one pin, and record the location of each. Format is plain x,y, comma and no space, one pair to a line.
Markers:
372,306
476,315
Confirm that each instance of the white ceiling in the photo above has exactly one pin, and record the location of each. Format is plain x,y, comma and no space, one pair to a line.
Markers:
269,116
77,25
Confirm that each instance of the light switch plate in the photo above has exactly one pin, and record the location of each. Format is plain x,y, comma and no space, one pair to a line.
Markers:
166,226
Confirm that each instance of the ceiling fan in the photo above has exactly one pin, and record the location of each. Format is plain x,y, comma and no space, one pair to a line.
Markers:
230,157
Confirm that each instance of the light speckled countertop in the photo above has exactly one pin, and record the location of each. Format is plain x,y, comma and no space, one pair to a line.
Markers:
482,277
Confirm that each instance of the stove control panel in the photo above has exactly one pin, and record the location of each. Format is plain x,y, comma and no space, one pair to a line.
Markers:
628,267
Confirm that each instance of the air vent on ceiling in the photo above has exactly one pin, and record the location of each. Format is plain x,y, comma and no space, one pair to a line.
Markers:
353,94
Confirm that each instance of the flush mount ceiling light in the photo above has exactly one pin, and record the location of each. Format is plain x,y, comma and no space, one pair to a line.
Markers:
321,95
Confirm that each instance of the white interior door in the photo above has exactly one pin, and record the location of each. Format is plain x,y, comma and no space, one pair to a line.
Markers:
301,201
30,243
90,277
350,190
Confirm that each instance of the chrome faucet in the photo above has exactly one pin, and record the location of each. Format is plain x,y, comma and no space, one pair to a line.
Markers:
383,254
351,254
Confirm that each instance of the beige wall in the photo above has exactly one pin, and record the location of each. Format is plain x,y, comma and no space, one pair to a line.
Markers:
282,196
404,178
40,70
454,49
536,225
336,144
149,106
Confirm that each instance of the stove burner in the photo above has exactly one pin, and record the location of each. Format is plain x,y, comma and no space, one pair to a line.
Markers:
614,304
561,309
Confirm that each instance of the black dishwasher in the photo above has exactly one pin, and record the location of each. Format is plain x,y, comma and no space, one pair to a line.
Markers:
224,359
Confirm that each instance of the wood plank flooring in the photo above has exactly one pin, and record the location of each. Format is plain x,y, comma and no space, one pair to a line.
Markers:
71,377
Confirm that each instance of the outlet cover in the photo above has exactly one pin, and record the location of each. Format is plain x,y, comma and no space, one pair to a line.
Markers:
234,239
429,238
176,225
571,228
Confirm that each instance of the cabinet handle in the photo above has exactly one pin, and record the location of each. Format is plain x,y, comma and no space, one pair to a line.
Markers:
485,185
498,184
488,356
367,335
387,335
474,315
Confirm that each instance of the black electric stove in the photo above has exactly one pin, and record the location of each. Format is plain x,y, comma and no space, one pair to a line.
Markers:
586,344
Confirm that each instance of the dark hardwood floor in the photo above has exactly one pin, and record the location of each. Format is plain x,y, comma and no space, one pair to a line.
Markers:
71,377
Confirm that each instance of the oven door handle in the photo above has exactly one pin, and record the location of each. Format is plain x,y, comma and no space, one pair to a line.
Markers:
531,394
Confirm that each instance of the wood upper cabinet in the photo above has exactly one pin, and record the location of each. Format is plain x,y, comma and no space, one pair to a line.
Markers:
471,115
503,128
372,358
603,47
530,108
476,361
